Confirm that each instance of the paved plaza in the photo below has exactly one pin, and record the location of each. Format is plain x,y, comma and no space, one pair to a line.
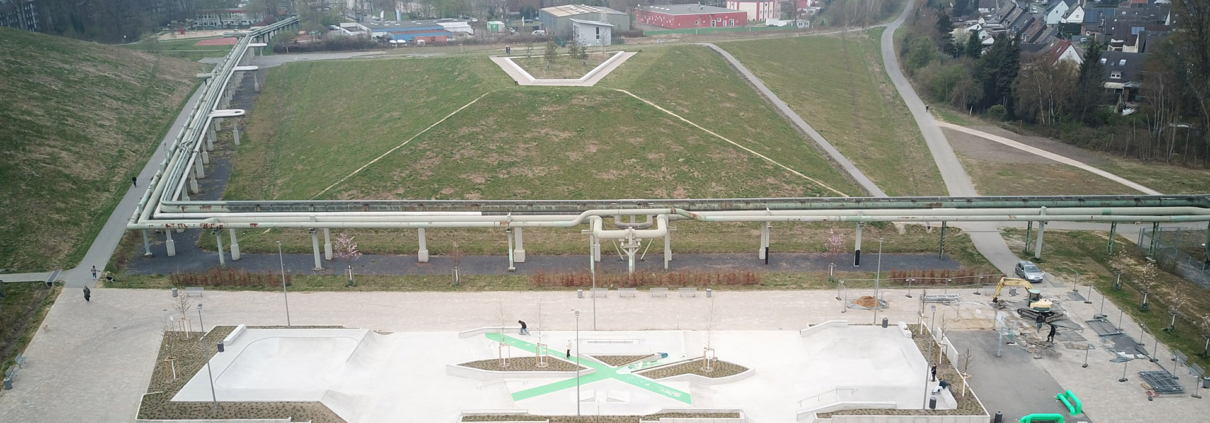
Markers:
95,359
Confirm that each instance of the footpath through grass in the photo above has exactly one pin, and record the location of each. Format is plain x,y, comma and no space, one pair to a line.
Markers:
838,85
1086,252
79,119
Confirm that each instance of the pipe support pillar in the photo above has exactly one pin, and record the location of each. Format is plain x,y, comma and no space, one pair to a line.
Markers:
422,255
169,243
234,246
519,253
146,245
327,244
315,248
857,247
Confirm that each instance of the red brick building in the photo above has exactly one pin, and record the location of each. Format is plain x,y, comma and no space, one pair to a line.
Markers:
677,16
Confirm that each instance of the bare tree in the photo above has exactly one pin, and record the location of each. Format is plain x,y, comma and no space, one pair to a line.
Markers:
182,305
551,54
456,256
966,359
835,248
1147,277
1175,303
708,357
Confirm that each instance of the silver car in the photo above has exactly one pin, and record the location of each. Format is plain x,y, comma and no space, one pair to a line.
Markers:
1028,271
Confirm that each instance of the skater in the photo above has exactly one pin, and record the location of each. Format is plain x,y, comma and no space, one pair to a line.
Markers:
134,180
1040,320
524,329
1051,337
94,273
87,295
569,349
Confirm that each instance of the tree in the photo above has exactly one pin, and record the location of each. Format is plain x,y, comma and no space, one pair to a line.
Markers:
1041,89
1090,82
552,53
974,46
1188,48
346,251
1147,277
967,358
945,37
573,49
998,70
960,7
835,247
1175,303
456,256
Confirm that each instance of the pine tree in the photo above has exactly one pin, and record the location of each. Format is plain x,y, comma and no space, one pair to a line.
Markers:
1090,82
974,46
945,39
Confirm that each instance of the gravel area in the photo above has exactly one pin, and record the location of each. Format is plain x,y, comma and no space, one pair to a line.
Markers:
721,369
619,360
524,364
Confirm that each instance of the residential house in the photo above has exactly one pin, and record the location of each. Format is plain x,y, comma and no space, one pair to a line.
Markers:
21,14
1075,15
1055,13
757,10
1123,74
1065,50
988,6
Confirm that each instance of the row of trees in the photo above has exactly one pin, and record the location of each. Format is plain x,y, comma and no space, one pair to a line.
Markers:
116,21
1067,100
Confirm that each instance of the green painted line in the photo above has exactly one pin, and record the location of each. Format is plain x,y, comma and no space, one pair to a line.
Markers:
602,372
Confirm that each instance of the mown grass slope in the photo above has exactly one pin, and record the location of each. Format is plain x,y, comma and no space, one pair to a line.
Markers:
76,121
838,85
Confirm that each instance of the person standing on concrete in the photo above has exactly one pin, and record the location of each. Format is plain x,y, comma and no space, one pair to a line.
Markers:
94,273
508,50
569,349
934,371
1051,337
524,328
87,295
134,180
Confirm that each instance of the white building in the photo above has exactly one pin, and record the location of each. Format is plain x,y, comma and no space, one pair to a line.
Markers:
1075,15
1056,12
758,10
591,33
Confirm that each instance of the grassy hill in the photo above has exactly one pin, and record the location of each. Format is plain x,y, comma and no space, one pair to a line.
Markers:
838,85
77,121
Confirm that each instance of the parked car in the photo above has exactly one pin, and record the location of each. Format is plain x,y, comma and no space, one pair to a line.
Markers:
1028,271
539,32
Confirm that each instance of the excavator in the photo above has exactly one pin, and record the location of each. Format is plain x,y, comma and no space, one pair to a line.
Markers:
1037,304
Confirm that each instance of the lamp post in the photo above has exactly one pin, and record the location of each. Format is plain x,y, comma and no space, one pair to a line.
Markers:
844,304
932,322
284,294
592,265
210,373
577,363
909,281
877,281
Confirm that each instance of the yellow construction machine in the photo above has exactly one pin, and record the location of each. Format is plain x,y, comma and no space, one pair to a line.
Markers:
1037,304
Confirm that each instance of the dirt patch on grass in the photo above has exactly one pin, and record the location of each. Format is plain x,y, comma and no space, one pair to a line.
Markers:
719,368
524,364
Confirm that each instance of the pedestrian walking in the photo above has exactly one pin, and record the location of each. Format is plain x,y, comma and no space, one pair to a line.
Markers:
1040,321
94,273
934,371
524,328
508,50
87,295
568,348
134,180
1051,337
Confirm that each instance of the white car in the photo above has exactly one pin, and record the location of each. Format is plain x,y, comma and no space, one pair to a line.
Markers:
539,32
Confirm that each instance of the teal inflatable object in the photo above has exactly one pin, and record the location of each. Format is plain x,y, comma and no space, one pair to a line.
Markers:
1042,418
1069,399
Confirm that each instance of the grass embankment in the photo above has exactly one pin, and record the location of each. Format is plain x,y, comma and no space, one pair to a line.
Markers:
189,355
1086,253
186,49
79,120
521,143
992,177
837,84
563,67
21,312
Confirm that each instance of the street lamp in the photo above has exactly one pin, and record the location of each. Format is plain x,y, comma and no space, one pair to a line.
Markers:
877,281
844,304
207,350
909,281
577,363
284,294
592,266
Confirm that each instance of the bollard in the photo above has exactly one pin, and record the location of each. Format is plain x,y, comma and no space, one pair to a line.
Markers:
8,383
220,346
708,293
999,418
174,294
579,293
933,402
884,321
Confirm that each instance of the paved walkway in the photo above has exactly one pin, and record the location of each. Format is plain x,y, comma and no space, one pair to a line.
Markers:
801,124
522,77
1052,156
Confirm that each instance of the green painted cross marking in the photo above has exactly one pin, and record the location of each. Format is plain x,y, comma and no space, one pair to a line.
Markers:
602,372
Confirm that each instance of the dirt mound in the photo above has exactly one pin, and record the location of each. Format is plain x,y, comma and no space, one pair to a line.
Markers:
865,301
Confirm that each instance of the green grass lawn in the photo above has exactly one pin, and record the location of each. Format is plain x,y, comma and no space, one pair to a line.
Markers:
996,178
563,67
21,312
1164,178
838,85
1085,252
79,119
181,49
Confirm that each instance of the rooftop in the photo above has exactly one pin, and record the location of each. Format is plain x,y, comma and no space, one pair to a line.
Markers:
587,22
578,9
687,9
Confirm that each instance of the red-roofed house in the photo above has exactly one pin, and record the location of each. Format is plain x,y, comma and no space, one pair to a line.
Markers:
1062,50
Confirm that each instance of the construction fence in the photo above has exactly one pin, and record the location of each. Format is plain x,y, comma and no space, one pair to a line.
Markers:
1178,250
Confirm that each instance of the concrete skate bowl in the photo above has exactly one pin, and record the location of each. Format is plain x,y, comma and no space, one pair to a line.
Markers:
282,363
367,359
861,365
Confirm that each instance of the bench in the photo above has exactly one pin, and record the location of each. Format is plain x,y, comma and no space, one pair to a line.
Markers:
8,377
628,292
659,292
194,291
20,360
687,292
600,293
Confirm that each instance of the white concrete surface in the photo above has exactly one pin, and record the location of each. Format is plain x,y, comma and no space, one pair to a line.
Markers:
589,79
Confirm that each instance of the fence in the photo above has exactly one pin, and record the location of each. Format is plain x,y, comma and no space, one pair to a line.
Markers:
1180,251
